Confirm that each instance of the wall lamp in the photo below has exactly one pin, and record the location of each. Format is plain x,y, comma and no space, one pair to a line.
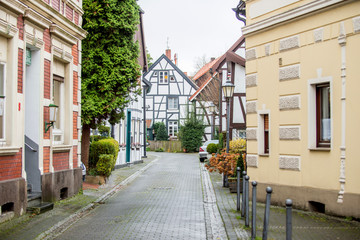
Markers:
52,118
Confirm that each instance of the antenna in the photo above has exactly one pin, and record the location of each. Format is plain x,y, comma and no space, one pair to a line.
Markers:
167,43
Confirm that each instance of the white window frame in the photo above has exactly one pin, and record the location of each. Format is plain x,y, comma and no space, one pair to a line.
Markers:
3,105
171,124
163,77
172,101
59,126
312,128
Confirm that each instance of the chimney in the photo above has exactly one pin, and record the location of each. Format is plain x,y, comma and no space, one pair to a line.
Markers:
212,59
168,53
175,58
185,73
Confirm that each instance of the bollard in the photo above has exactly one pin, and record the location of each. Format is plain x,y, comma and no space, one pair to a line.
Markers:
247,201
238,189
267,213
243,196
253,219
288,204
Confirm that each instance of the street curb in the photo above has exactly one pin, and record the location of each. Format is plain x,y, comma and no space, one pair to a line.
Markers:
63,225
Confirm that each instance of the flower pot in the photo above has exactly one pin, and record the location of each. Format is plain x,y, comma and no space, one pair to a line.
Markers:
232,186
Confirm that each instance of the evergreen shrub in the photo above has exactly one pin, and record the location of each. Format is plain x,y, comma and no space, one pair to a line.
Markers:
212,148
191,134
105,164
162,134
103,146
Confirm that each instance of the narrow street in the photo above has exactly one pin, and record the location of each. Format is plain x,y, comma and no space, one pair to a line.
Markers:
165,202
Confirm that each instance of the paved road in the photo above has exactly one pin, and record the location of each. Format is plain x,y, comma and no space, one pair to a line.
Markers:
165,202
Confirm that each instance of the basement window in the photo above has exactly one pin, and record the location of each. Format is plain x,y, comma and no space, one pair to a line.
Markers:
7,207
317,207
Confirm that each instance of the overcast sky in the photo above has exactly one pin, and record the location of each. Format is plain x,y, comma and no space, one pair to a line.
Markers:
194,28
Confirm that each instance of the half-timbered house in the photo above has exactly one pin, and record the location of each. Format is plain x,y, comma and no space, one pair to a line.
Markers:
168,99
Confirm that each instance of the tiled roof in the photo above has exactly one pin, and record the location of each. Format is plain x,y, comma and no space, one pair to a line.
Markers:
202,87
205,69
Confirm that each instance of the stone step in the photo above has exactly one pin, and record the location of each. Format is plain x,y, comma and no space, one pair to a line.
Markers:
40,208
33,199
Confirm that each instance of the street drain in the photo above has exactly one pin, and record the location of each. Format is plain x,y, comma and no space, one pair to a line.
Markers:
162,188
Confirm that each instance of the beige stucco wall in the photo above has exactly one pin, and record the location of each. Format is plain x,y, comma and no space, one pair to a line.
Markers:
305,49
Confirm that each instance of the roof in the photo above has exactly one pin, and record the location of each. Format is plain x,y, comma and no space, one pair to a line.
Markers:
205,69
202,87
192,83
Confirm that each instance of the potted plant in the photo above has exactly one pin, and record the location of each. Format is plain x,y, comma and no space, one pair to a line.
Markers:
233,180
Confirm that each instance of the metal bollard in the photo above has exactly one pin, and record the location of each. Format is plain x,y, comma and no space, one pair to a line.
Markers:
267,213
247,201
238,189
253,219
243,196
288,204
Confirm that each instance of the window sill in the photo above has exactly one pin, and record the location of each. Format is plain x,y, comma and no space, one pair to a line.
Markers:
264,155
5,151
62,148
322,149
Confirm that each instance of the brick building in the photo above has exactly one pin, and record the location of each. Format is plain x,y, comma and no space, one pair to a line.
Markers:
40,64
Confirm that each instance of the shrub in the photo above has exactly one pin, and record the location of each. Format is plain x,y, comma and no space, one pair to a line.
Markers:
162,134
105,164
237,146
159,150
104,130
212,148
221,141
95,138
104,146
191,134
224,163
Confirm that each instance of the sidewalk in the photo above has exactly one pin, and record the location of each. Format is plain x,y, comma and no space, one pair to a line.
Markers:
306,225
30,226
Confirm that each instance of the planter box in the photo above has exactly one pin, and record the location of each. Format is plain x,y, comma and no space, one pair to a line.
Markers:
95,179
232,186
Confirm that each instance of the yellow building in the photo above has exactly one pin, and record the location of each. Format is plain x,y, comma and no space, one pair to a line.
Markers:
303,82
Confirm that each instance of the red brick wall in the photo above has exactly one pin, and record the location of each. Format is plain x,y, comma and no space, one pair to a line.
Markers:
75,131
75,88
10,166
56,4
20,70
46,118
61,161
75,54
69,12
75,157
20,26
46,159
47,79
47,40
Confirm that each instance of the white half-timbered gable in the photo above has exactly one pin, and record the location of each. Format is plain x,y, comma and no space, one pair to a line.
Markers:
168,98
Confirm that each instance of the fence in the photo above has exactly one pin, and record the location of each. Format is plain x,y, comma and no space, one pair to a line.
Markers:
168,146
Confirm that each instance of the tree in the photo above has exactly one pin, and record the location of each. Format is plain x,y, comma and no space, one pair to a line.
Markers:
161,132
191,132
109,63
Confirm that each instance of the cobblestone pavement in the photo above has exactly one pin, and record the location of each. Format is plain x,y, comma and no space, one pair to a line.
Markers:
306,225
165,202
30,226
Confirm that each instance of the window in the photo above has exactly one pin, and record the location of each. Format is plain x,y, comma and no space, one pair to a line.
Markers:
323,115
173,128
266,133
163,77
59,100
173,103
2,101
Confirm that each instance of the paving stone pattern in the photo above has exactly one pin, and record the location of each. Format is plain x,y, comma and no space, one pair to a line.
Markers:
306,225
165,202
